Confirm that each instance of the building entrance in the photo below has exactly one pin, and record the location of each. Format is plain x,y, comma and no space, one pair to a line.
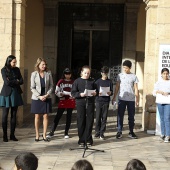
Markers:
89,34
90,47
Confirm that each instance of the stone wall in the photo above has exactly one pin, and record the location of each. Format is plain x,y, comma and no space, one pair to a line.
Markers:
12,34
157,32
5,31
33,41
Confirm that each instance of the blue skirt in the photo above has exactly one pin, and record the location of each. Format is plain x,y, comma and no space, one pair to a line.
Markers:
38,106
15,99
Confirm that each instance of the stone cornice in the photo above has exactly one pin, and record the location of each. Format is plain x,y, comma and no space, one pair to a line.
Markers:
22,2
151,4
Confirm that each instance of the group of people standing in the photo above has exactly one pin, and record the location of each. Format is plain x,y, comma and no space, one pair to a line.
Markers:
82,93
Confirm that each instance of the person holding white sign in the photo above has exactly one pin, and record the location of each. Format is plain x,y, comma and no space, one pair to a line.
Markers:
85,105
67,102
104,89
162,93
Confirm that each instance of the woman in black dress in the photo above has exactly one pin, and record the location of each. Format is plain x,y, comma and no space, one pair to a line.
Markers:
41,87
10,96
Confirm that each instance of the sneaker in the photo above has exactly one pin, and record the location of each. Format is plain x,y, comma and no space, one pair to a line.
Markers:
102,137
119,135
50,135
162,137
66,137
97,135
132,135
167,139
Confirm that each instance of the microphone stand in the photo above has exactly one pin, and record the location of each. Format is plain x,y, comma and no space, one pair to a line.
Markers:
85,144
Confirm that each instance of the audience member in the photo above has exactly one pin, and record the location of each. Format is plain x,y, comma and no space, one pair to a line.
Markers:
26,161
135,164
82,165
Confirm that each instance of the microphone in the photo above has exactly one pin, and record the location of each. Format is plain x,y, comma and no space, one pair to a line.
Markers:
86,84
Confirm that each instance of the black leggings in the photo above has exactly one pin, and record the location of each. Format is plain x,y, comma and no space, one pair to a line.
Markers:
5,112
58,116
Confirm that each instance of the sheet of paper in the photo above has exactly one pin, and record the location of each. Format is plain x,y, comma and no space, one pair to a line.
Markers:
89,92
161,99
66,93
103,91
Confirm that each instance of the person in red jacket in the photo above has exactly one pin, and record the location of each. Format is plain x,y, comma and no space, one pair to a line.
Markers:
63,91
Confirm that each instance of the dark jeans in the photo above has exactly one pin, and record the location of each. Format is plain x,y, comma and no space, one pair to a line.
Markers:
164,113
101,117
131,113
5,112
58,116
85,119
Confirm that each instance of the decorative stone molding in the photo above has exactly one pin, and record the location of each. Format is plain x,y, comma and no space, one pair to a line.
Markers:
22,2
151,4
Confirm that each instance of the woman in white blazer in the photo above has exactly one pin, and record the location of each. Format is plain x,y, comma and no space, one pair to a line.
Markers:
41,87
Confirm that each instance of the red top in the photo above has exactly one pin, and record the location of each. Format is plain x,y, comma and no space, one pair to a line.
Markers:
64,86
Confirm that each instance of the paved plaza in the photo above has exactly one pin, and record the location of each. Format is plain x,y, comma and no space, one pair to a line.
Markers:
56,154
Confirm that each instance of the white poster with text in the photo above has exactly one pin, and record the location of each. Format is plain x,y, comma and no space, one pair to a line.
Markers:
164,62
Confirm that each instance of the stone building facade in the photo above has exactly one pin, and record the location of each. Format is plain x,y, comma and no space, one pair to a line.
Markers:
33,28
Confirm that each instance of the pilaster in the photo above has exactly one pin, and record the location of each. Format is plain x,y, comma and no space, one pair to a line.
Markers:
50,33
130,32
151,56
50,36
18,40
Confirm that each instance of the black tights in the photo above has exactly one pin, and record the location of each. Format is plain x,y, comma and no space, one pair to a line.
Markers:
5,112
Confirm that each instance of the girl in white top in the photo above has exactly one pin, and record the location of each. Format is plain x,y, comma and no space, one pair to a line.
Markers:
163,87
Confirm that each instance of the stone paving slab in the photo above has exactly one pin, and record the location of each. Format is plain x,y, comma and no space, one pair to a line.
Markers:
56,154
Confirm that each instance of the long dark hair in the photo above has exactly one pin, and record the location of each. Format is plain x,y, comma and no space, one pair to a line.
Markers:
135,164
8,61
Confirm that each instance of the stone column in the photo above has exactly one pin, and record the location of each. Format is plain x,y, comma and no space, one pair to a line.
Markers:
151,63
50,36
18,41
130,33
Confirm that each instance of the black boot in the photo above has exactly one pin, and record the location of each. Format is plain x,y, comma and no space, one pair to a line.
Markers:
4,127
13,123
5,138
12,137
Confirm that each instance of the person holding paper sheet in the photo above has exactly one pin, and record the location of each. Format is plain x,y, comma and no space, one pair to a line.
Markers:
85,105
162,87
63,91
104,89
127,82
